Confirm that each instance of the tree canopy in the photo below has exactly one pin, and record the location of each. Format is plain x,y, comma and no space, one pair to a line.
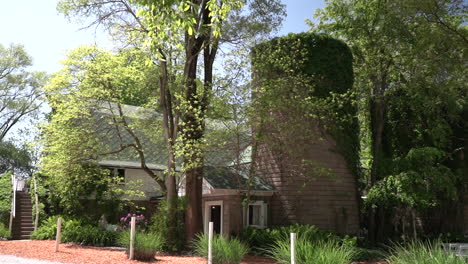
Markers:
19,88
411,81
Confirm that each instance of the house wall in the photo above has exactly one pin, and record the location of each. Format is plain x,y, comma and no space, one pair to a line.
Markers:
138,177
232,210
312,182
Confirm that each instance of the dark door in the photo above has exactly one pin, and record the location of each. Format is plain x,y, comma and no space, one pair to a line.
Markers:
215,217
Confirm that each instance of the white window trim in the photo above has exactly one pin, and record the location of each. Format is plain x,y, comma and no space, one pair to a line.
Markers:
263,215
206,215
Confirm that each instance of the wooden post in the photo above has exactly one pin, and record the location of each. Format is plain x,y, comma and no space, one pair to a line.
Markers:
210,243
59,230
293,248
132,238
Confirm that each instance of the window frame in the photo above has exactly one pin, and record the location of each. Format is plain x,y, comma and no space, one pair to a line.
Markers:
263,213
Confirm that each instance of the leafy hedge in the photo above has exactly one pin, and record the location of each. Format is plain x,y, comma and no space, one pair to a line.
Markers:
5,197
4,232
75,230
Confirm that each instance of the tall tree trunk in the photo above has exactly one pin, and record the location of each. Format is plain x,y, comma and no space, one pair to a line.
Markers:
377,110
193,132
170,125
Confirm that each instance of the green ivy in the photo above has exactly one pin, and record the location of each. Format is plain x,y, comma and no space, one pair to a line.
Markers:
310,77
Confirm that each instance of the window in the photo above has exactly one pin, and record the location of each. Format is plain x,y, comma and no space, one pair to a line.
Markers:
256,214
117,174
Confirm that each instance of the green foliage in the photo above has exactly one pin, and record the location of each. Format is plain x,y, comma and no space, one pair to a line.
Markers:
14,157
19,88
306,79
146,245
320,252
225,251
81,231
422,253
160,224
6,195
78,230
422,181
261,240
411,81
4,232
88,123
47,230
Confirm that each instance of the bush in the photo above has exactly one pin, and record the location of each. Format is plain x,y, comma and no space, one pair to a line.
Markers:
225,251
146,244
4,232
261,240
160,224
5,197
79,231
76,230
422,252
47,230
321,252
140,222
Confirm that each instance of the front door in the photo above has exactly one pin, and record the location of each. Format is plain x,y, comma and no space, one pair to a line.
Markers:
215,217
214,213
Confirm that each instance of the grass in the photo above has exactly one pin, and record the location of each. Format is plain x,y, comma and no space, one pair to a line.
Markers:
422,253
321,252
225,251
146,244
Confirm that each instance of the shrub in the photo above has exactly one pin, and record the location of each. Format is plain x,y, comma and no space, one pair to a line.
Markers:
80,232
422,252
140,222
4,232
225,251
47,230
76,230
146,244
261,240
321,252
5,197
160,224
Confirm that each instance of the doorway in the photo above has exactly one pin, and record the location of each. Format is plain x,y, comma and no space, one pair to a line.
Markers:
214,213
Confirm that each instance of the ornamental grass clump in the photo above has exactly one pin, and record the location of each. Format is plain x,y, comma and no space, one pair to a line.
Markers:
146,245
423,253
225,251
307,252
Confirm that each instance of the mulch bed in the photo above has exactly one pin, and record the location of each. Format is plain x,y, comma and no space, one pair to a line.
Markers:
72,253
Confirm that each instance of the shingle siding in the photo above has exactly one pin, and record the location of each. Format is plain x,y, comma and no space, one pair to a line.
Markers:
301,196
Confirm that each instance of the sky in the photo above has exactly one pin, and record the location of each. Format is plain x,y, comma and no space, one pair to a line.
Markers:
47,35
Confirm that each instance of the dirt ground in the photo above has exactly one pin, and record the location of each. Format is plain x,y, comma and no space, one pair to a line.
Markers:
71,253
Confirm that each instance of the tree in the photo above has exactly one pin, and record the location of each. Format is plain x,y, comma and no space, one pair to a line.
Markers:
176,33
411,90
13,158
19,88
91,121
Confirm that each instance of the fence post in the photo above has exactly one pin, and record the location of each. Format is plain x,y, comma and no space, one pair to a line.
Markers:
59,230
132,238
210,243
293,248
